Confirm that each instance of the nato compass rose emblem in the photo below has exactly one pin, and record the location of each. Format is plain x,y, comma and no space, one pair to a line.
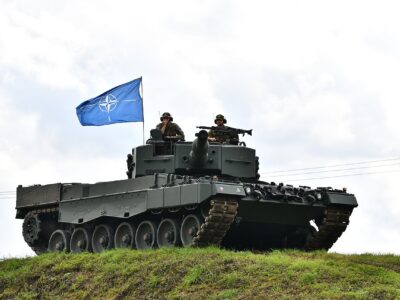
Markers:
108,104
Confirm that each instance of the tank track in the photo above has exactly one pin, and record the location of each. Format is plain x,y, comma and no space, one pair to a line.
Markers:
220,217
330,228
40,245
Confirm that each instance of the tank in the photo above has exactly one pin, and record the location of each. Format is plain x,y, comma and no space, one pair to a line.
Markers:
180,193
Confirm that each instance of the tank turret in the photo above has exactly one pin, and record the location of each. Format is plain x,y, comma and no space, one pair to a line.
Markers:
194,158
199,154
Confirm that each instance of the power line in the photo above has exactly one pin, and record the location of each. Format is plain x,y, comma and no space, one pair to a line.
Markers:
344,175
4,195
331,166
339,170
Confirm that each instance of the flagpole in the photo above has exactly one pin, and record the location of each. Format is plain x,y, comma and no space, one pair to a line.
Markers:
141,88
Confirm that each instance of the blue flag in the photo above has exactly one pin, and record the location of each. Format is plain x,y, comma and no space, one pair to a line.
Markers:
120,104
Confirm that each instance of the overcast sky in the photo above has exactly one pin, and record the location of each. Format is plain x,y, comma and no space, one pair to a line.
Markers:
317,81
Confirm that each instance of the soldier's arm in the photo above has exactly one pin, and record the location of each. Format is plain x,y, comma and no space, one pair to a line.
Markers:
179,131
211,136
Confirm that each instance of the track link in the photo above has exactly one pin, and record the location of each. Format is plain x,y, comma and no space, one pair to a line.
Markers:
330,228
220,217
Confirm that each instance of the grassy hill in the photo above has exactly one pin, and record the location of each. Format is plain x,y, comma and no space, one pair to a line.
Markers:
201,274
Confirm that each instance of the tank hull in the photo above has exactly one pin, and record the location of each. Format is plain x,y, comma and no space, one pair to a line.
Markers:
205,211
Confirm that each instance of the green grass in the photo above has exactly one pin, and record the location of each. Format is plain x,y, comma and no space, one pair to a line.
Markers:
208,273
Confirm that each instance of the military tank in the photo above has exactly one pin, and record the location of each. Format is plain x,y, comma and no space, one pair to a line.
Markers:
180,193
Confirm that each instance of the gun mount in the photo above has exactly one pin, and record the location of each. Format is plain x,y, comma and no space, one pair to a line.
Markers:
199,154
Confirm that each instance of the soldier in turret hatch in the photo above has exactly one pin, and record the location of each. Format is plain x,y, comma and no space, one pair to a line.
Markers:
223,136
170,129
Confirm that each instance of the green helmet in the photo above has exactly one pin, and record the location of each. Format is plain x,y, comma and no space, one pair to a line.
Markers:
220,117
166,115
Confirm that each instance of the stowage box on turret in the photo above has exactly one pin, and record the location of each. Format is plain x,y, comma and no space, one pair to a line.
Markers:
183,194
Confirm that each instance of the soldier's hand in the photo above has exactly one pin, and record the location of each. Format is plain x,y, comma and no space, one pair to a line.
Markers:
211,139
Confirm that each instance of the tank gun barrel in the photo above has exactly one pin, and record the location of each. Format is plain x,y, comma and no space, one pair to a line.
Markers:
199,153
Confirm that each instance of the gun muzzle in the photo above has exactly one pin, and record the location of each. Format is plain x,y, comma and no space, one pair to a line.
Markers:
199,153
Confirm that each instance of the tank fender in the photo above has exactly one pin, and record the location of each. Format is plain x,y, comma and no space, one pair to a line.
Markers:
121,205
341,198
38,195
228,189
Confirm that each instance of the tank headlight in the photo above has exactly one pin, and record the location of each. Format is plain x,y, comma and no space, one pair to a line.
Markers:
319,196
248,190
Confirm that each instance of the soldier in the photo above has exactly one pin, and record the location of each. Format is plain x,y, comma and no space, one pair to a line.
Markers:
222,136
169,129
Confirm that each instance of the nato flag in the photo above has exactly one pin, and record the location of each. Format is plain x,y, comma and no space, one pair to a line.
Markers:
120,104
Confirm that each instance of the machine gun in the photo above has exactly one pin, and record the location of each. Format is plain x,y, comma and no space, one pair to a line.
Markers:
227,130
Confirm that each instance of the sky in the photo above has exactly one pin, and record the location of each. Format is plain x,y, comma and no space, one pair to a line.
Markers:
317,81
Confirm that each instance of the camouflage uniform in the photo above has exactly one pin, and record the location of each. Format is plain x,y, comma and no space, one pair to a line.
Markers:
223,137
170,129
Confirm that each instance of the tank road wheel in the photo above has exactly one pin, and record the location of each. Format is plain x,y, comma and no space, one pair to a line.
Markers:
102,238
59,241
205,209
189,229
168,233
146,233
125,236
80,240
